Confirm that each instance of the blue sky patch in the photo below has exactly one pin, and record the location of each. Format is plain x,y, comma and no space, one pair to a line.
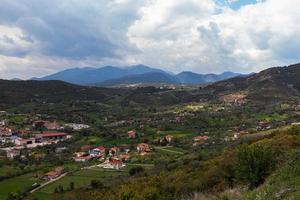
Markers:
236,4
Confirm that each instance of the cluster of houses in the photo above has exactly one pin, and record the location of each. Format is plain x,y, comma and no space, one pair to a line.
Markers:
114,157
41,139
18,139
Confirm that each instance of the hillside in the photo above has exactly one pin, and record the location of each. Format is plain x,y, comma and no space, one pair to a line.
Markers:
18,92
270,84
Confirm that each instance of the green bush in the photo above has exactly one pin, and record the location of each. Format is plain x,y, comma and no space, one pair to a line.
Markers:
136,170
254,164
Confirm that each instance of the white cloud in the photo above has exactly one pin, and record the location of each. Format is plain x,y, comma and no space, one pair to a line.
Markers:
39,38
248,39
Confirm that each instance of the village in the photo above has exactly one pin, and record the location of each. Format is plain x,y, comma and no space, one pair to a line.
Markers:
125,146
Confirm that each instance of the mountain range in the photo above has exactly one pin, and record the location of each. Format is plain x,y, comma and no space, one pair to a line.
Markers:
110,76
278,83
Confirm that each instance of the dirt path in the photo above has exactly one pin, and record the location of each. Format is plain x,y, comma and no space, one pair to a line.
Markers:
49,182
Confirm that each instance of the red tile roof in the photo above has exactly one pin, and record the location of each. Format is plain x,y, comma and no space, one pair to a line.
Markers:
51,134
101,148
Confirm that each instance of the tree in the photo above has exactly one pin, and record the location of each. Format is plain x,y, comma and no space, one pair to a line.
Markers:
95,184
60,189
254,164
136,170
72,185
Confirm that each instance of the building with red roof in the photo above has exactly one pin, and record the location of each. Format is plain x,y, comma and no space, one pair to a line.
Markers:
46,136
143,148
131,134
200,138
116,164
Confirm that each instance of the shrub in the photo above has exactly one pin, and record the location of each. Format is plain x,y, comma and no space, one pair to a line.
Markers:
136,170
95,184
254,164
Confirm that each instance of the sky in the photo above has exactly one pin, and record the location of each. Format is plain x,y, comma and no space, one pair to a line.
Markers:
40,37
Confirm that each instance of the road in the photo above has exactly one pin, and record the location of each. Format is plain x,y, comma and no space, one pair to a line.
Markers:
49,182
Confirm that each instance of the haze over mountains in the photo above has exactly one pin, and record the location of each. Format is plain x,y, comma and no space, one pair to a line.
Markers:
110,76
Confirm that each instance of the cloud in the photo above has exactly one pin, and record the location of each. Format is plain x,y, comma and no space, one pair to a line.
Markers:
41,37
248,39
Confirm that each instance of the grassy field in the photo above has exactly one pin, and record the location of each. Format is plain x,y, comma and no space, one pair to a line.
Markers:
171,150
16,184
94,140
81,178
5,170
271,117
177,134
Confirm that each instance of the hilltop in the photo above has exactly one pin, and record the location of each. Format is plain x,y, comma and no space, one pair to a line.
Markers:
278,83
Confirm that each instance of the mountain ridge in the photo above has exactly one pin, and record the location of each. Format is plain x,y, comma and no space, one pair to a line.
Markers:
109,75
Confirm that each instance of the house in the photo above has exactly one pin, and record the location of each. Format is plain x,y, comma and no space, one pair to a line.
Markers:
6,132
82,158
53,174
114,151
79,154
131,134
98,151
50,175
116,164
3,112
200,138
263,125
167,138
85,147
124,156
124,148
48,136
24,142
112,164
3,123
77,127
143,148
12,153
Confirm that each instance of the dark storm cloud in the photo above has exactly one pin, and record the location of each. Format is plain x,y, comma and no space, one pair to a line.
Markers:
68,28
